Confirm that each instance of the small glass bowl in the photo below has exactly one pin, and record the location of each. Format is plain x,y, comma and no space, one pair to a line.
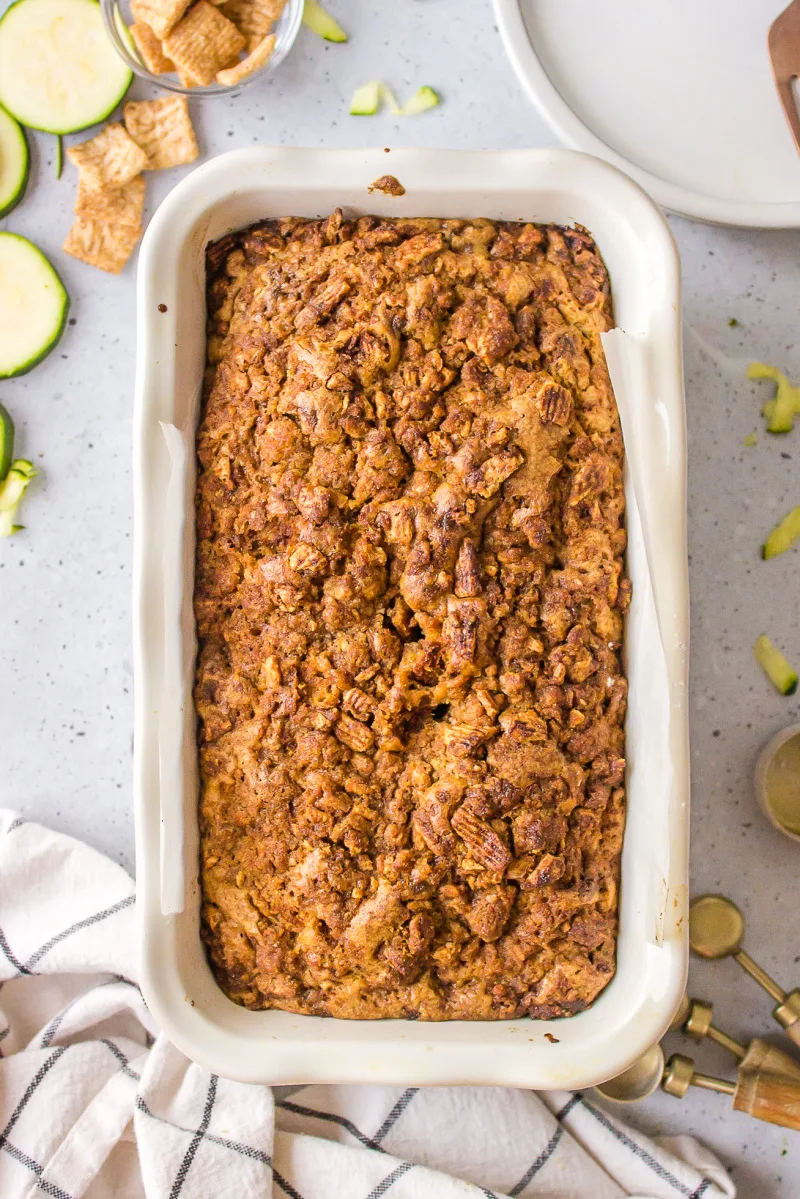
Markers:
285,29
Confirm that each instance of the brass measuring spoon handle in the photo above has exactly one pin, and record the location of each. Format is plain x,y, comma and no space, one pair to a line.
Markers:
787,1013
680,1074
760,976
707,1083
698,1024
722,1038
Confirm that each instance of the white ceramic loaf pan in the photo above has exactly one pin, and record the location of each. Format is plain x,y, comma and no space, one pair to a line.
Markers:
237,189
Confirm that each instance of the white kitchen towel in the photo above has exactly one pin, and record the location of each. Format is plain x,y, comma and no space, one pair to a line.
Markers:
94,1102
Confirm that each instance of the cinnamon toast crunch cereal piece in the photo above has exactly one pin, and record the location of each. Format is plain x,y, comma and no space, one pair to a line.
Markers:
163,129
203,42
253,18
149,47
120,205
102,243
254,62
111,159
161,15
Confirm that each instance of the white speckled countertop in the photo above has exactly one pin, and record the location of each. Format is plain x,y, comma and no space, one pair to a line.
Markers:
65,658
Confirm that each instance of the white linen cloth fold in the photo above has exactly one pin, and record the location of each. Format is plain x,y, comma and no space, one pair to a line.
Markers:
94,1102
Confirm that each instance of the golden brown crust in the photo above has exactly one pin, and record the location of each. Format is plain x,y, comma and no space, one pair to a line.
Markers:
409,601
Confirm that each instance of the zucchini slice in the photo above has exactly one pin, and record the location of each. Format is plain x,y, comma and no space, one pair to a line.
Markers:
783,536
33,305
12,490
59,71
59,155
775,667
15,162
6,442
321,22
366,99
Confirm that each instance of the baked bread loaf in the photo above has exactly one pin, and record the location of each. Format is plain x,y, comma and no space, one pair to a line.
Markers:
409,600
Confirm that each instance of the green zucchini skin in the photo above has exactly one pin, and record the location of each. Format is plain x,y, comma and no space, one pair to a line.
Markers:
14,129
54,335
6,442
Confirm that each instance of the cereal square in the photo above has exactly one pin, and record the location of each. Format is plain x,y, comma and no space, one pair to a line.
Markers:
203,42
111,159
149,47
254,62
161,15
253,18
120,205
102,243
163,129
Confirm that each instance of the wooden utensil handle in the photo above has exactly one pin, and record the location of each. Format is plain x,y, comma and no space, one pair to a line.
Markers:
769,1059
770,1097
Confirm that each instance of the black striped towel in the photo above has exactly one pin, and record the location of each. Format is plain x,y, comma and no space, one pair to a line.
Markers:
93,1102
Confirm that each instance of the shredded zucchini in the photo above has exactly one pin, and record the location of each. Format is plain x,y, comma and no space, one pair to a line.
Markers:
780,411
751,439
783,536
319,21
368,98
761,370
776,668
423,99
389,99
12,490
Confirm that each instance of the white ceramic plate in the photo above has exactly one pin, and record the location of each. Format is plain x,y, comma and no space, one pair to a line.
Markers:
677,93
636,1007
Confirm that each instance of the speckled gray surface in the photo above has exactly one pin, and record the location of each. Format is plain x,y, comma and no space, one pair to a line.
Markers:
65,658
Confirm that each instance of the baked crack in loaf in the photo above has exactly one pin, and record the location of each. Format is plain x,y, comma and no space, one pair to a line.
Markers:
409,600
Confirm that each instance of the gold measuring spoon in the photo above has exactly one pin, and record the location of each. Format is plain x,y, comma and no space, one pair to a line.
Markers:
757,1055
716,930
777,781
637,1082
769,1097
644,1075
